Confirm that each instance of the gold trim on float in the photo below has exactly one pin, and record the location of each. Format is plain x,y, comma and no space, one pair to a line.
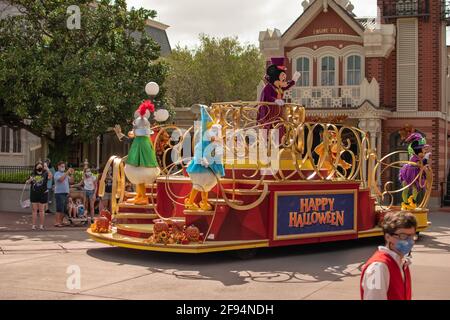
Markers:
270,182
198,213
133,194
141,228
198,248
132,215
125,205
284,165
315,234
291,182
244,192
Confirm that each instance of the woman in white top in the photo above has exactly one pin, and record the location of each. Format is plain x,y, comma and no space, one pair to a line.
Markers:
89,184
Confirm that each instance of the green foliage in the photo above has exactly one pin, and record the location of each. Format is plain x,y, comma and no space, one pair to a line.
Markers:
74,84
219,70
78,175
22,175
19,176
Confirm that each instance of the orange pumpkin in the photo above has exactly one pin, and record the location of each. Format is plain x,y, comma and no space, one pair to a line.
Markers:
192,233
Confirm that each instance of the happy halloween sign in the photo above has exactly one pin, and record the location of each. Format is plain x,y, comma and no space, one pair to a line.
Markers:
304,213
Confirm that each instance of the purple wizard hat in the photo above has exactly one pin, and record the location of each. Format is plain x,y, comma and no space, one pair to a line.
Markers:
279,62
416,136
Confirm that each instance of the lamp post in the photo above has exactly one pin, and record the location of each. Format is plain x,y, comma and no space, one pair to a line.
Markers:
98,152
152,89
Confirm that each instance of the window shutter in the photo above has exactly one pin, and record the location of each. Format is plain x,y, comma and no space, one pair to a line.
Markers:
407,68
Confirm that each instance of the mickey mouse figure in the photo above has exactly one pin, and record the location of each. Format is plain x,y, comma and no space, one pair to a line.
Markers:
273,92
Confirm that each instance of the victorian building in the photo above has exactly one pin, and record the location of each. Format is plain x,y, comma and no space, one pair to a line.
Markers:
382,72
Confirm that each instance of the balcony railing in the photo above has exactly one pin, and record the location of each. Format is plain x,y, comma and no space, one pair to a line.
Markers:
406,8
446,11
326,97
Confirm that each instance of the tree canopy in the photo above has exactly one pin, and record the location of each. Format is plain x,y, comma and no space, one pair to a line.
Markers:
218,70
70,85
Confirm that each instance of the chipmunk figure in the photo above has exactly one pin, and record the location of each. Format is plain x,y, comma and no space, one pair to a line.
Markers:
141,166
206,165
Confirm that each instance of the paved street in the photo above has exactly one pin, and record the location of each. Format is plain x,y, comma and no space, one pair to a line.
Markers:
34,265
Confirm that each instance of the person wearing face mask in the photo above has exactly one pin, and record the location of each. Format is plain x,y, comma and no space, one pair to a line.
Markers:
39,193
89,184
386,275
62,188
105,202
50,207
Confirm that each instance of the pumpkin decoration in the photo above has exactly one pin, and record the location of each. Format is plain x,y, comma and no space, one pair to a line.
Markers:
160,226
174,232
192,234
105,213
178,233
161,232
101,225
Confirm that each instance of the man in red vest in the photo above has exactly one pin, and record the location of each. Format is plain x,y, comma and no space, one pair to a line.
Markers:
386,276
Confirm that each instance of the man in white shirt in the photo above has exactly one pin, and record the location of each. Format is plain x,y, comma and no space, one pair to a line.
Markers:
386,274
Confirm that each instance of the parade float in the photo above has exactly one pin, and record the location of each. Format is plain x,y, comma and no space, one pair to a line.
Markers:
257,174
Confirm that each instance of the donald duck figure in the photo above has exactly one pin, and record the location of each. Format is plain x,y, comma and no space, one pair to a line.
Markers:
207,164
141,166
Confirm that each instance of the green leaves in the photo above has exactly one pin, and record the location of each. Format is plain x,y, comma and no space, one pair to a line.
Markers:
58,77
219,70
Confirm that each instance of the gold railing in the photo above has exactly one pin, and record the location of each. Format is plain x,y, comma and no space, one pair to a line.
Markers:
385,193
308,151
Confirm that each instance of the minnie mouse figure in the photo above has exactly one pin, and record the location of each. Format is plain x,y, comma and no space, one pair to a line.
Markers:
273,92
418,151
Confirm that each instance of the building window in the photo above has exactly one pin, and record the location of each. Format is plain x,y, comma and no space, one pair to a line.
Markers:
303,66
11,140
5,135
17,141
354,70
407,7
328,71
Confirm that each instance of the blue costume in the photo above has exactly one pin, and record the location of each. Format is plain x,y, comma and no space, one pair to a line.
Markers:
206,165
204,149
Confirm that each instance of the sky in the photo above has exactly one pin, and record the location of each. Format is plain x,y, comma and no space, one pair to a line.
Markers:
243,18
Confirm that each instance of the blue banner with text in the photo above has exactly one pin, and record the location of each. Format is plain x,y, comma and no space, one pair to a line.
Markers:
299,214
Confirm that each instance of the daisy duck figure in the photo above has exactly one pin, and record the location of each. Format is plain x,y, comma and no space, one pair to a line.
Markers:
273,92
207,163
419,153
141,166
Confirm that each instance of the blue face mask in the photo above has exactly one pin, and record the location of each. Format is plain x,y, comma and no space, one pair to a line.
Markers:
404,246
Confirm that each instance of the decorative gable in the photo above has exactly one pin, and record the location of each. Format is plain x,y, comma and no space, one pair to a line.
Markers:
327,23
323,17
